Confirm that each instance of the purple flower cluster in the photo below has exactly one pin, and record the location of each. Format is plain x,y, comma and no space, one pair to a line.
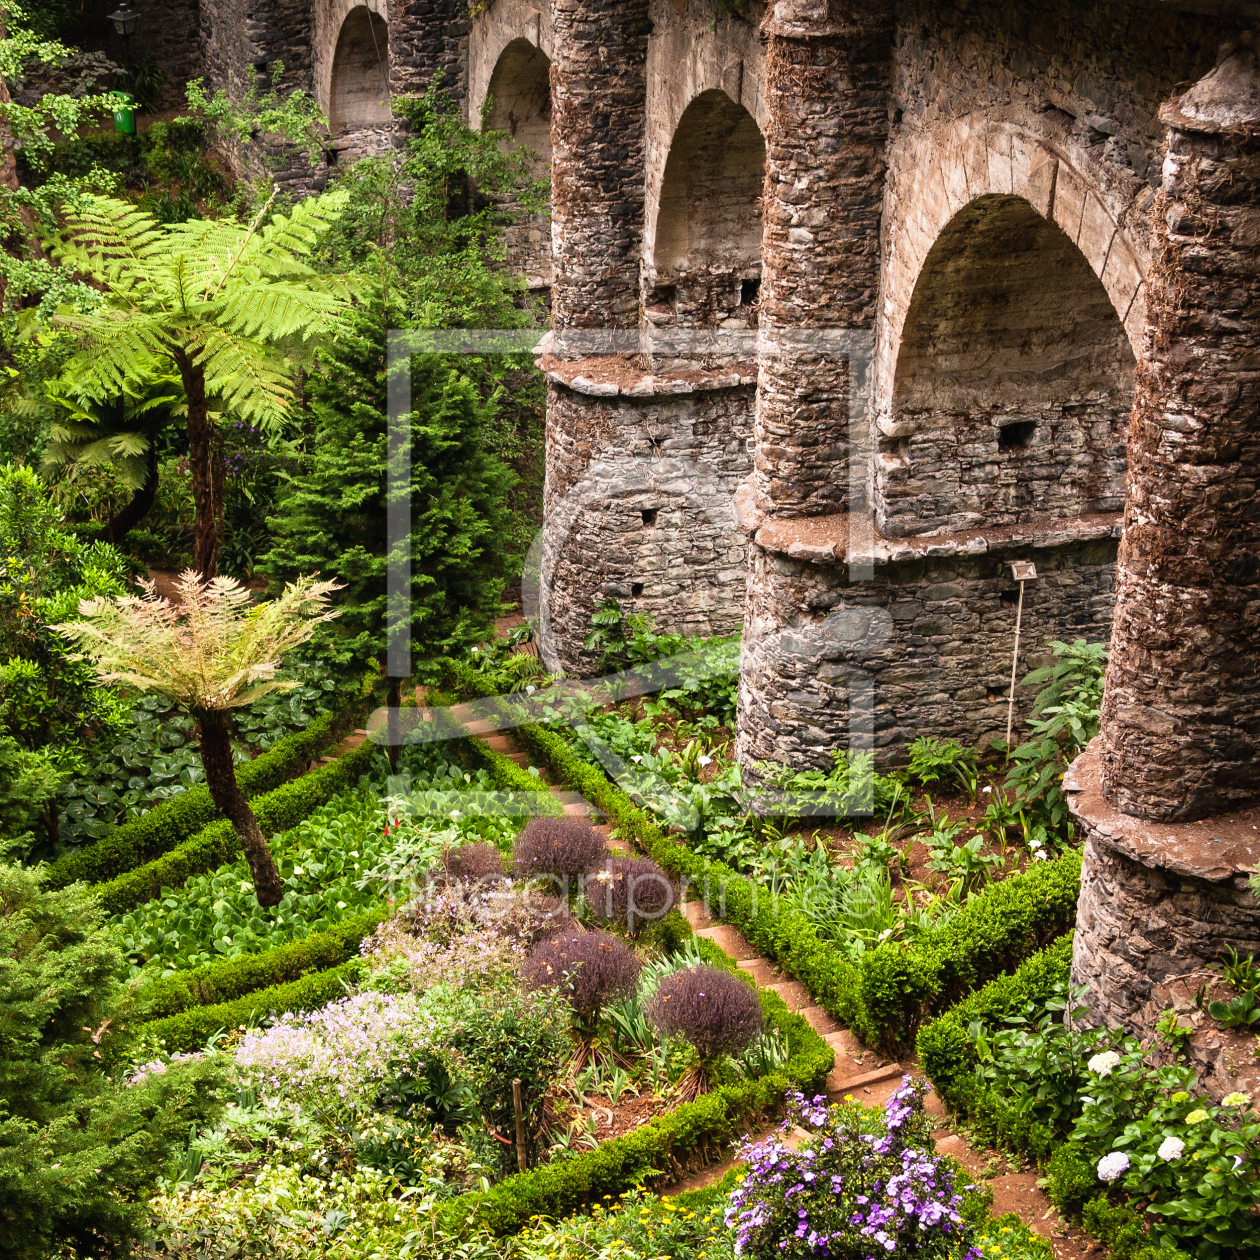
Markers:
862,1186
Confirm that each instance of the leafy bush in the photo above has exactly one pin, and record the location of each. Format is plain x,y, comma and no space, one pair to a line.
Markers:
473,862
590,968
630,892
717,1012
856,1185
933,760
557,846
511,1036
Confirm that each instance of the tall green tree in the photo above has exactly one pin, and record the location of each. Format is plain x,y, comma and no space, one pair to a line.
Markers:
226,306
331,515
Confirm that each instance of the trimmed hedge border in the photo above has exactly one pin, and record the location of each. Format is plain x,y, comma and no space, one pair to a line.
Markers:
191,1029
886,996
169,824
231,978
946,1048
216,844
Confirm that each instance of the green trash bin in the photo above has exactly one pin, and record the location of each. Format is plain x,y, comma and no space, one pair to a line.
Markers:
124,113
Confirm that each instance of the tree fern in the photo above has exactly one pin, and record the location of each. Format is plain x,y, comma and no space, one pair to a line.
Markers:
211,299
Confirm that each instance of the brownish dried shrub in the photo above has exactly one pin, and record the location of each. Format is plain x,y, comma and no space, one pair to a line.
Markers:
557,846
630,892
590,968
473,862
717,1012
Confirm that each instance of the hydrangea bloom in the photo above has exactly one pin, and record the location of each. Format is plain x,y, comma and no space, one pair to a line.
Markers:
1171,1148
1105,1063
1237,1099
1113,1166
1197,1117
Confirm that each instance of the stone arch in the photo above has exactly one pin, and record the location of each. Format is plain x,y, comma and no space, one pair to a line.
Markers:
1013,380
706,257
940,170
520,100
358,90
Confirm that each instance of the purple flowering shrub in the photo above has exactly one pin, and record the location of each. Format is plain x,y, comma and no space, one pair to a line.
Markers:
630,892
715,1011
557,846
862,1187
590,968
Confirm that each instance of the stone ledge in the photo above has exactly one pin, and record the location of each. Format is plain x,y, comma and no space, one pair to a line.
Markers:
614,376
825,539
1224,849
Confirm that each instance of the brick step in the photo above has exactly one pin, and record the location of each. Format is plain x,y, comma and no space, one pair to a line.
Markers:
731,940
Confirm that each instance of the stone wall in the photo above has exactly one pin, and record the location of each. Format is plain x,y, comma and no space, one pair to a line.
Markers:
923,647
641,513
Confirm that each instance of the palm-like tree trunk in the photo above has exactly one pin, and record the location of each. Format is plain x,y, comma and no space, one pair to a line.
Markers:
216,755
205,461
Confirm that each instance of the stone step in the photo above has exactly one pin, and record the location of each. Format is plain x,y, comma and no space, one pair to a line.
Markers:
500,742
840,1082
521,759
696,914
842,1041
818,1020
763,972
794,993
729,939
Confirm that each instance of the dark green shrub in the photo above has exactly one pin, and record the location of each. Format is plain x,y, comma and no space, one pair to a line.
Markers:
1118,1226
1072,1178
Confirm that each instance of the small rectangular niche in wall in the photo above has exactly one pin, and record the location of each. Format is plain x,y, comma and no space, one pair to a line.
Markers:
749,292
1010,599
649,517
1015,435
636,589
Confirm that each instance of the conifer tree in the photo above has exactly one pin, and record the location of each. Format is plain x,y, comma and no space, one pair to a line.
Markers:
331,516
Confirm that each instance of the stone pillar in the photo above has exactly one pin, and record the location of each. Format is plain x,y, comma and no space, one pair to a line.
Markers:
427,36
1181,719
598,132
828,79
598,129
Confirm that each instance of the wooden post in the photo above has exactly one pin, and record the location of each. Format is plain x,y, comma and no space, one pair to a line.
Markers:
519,1107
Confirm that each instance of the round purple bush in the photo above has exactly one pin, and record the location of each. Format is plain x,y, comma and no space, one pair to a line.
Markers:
631,892
557,846
717,1012
592,968
473,862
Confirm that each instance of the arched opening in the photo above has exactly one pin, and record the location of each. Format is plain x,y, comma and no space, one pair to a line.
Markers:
520,107
359,91
1013,384
520,101
707,257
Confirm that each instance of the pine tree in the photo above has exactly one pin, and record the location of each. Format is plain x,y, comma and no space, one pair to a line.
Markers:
331,516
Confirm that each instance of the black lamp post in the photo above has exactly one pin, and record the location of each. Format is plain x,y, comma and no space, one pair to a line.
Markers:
124,19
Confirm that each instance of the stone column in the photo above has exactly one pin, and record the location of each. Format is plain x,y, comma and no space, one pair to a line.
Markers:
598,133
427,36
1181,722
828,69
1180,735
598,129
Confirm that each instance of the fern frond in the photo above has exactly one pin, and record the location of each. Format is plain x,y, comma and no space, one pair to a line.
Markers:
247,376
278,310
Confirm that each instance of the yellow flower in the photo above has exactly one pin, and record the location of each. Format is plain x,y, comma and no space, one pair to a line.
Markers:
1180,1096
1197,1117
